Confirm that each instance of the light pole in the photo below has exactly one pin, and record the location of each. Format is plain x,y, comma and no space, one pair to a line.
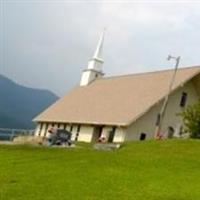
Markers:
161,115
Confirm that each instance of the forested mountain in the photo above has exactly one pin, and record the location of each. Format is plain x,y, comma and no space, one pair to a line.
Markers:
19,104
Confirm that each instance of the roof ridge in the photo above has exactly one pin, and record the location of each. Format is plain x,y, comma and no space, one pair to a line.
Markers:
149,72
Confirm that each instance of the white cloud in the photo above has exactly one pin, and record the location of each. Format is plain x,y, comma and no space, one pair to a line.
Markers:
59,37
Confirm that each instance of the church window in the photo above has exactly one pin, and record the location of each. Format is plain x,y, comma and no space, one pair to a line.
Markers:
183,99
111,134
41,126
158,119
71,128
142,136
77,133
65,125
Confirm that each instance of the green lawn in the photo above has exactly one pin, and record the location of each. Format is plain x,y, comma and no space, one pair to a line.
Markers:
150,170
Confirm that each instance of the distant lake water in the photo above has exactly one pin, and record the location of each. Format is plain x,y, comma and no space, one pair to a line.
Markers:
9,134
6,137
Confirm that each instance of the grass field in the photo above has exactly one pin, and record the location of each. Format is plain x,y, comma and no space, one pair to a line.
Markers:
150,170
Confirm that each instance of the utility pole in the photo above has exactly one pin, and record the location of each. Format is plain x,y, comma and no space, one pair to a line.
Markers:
161,115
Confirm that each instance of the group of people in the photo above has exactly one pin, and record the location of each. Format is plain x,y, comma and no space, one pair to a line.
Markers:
58,137
102,139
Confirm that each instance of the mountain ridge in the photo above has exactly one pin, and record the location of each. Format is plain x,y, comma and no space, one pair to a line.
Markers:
20,104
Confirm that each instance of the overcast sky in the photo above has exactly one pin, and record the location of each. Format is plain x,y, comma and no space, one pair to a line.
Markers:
47,43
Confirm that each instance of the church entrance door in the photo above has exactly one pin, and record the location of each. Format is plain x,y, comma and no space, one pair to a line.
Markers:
97,133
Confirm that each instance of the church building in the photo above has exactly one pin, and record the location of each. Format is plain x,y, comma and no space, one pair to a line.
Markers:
121,108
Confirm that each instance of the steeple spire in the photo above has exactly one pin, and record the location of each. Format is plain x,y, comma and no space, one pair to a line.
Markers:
97,61
94,69
98,52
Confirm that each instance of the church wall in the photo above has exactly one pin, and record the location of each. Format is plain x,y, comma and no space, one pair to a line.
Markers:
120,134
37,130
74,131
43,130
146,124
61,126
86,133
106,131
67,127
87,77
43,127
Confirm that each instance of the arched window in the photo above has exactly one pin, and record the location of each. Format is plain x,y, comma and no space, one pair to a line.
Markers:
170,132
143,136
183,99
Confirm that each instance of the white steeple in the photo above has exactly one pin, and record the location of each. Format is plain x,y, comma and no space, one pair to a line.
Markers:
94,69
98,52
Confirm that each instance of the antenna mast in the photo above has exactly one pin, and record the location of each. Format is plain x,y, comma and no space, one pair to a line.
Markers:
161,115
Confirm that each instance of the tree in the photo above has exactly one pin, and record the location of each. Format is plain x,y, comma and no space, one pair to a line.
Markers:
191,119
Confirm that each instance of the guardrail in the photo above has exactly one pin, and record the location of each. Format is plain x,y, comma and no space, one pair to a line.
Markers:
9,134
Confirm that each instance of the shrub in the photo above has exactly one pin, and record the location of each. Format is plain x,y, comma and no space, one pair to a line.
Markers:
191,119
